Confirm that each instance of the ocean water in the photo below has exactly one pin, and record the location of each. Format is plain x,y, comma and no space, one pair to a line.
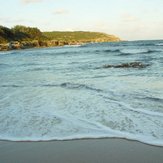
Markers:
67,92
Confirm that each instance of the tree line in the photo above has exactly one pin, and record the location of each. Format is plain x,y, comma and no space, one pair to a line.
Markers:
20,33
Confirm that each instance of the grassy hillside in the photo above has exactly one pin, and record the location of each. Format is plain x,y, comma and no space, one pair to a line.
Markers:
80,36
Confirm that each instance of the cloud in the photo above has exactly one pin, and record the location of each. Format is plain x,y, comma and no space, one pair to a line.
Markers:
126,17
5,20
30,1
61,12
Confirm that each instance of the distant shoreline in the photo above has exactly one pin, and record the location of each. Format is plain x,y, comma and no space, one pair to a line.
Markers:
16,45
22,37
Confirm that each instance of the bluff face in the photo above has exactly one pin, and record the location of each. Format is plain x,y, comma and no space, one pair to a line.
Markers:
21,37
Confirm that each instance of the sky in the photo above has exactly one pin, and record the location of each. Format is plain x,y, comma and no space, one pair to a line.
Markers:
127,19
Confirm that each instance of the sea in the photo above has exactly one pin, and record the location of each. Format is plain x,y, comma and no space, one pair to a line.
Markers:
84,91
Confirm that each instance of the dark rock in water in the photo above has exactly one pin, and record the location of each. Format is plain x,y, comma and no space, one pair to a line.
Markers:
128,65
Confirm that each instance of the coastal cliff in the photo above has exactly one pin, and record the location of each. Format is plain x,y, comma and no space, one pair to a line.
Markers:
21,37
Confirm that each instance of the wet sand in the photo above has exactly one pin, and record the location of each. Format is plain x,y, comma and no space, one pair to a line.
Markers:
80,151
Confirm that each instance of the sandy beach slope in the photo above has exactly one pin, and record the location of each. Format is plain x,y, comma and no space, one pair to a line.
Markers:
80,151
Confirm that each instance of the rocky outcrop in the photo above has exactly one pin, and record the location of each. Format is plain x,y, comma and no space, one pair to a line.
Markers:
12,45
4,47
128,65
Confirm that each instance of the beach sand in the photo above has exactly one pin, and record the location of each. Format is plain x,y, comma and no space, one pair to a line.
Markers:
80,151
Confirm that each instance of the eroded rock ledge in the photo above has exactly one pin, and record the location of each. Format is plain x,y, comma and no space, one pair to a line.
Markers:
33,44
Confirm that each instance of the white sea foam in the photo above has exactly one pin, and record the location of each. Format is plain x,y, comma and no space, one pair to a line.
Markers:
134,51
159,44
71,46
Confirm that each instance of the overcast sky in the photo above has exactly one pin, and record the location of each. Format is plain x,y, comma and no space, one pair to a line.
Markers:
128,19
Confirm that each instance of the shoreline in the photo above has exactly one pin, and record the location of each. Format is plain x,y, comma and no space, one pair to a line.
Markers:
106,150
15,45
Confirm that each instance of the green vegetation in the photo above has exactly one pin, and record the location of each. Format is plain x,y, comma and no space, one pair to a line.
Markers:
80,36
26,33
6,34
20,37
19,33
